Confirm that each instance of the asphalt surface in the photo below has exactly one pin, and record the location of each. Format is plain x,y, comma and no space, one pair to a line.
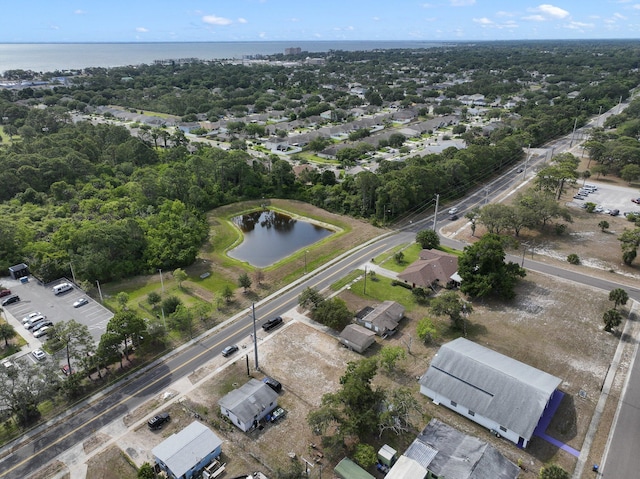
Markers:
37,449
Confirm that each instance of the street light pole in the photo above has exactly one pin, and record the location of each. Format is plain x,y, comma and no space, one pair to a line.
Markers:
305,261
99,291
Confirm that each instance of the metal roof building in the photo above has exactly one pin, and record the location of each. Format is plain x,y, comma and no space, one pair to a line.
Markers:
496,391
187,452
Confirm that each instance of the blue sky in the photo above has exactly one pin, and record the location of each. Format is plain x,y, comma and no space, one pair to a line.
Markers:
281,20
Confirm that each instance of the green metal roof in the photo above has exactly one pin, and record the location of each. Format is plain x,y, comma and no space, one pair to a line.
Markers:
347,469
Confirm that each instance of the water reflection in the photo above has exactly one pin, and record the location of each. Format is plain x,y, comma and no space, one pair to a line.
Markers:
270,236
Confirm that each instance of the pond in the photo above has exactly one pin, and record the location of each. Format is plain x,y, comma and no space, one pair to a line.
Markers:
270,236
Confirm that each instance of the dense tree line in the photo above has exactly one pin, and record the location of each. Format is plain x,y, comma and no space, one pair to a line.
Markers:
113,204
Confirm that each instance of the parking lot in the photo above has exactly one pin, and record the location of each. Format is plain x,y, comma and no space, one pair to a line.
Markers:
36,297
610,197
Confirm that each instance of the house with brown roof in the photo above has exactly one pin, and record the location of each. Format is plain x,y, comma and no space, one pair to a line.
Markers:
433,267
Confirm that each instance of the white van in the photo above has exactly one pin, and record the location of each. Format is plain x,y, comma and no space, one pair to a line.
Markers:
27,324
62,288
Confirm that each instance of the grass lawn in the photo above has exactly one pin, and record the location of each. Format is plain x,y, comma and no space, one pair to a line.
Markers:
380,289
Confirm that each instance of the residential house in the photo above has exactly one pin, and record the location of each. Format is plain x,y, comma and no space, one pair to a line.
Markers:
441,451
432,267
357,338
184,454
249,404
498,392
383,319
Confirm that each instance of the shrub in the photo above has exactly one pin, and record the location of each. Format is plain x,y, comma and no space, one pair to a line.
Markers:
170,305
573,258
395,282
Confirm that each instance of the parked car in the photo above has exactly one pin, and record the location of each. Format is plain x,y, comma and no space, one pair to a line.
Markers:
636,200
10,300
277,413
80,302
5,292
39,354
578,197
614,212
43,331
272,323
156,422
229,350
273,384
30,316
42,321
42,324
66,370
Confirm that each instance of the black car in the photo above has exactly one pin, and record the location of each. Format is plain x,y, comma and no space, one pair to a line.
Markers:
229,350
10,300
272,323
273,384
156,422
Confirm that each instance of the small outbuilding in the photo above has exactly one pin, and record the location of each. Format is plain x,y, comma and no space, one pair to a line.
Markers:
249,404
184,454
357,338
19,271
347,469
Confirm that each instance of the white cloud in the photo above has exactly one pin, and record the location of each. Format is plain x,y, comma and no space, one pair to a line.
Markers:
427,5
242,20
215,20
617,16
534,18
636,6
294,20
550,11
502,13
462,3
141,30
262,35
375,19
483,21
79,12
579,25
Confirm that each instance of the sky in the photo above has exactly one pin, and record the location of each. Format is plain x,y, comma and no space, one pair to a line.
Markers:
43,21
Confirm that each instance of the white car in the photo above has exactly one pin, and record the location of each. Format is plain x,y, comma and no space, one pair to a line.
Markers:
30,316
80,302
39,354
453,211
41,332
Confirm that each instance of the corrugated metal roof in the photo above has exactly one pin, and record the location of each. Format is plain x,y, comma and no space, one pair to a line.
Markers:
347,469
183,450
491,384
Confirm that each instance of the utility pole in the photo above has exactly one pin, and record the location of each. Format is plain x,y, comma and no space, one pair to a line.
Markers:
161,280
255,336
435,214
526,162
73,275
573,133
99,291
364,288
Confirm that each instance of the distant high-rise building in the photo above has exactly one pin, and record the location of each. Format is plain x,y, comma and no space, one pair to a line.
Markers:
292,51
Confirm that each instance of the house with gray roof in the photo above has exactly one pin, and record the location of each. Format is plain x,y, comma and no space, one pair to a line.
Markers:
496,391
249,404
184,454
442,451
357,338
384,318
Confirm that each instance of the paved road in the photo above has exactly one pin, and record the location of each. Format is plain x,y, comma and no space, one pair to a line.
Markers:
28,456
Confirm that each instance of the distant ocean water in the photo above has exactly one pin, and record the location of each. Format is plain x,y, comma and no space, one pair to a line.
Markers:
50,57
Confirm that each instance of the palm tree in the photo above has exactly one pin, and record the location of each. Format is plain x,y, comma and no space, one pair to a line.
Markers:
619,297
7,332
